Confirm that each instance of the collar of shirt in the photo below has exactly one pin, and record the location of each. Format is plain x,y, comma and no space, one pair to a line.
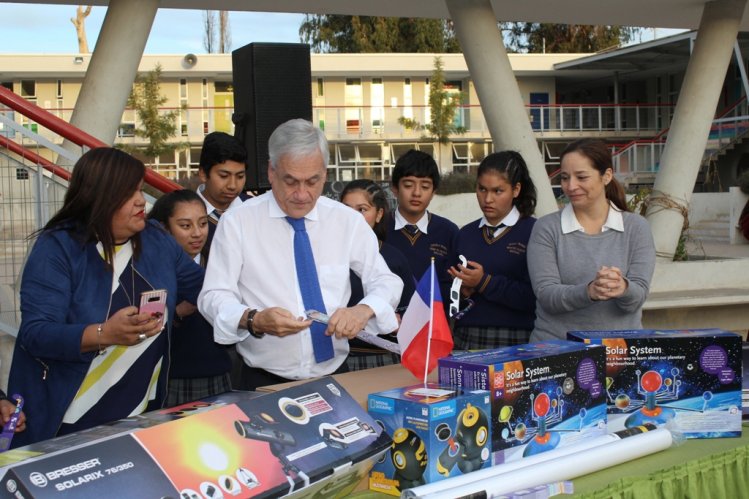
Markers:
275,211
196,258
614,220
208,206
401,222
509,220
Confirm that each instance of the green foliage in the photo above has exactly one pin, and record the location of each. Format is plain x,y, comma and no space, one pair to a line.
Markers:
457,183
442,105
158,127
366,34
564,38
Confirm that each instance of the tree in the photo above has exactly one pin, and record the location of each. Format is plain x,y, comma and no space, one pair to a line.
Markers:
564,38
224,32
356,34
209,31
79,21
146,99
443,106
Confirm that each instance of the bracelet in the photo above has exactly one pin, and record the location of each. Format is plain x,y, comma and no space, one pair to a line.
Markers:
99,329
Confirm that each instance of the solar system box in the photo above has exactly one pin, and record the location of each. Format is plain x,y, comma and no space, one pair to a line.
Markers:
543,395
438,432
311,440
691,377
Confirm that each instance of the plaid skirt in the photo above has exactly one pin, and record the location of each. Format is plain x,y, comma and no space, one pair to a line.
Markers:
183,390
483,338
368,361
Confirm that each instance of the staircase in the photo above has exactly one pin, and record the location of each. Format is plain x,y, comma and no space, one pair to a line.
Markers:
713,230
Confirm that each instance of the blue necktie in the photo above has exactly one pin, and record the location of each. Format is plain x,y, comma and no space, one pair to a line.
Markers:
309,285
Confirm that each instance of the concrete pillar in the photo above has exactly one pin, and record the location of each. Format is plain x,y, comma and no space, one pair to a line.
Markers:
690,127
113,67
497,89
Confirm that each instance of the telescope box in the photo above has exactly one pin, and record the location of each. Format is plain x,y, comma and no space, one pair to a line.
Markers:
691,377
438,432
543,395
309,439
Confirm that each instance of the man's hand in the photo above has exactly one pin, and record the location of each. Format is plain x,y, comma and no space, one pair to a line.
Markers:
278,322
347,322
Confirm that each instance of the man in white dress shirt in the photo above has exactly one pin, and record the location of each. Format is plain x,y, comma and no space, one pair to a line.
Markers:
251,294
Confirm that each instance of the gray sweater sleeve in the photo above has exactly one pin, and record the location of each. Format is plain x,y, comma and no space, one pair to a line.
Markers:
641,263
543,265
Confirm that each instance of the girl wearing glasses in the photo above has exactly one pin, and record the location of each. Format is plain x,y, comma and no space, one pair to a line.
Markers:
498,305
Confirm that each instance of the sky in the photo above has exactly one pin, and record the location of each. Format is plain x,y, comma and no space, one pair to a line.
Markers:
39,28
35,28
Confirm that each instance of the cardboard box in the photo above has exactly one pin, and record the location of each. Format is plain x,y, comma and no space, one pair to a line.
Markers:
438,432
306,439
692,377
543,395
359,384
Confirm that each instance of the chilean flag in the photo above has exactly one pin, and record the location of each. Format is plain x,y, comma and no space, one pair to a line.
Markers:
424,335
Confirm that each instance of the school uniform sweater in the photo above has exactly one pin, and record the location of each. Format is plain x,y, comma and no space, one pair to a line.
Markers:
439,242
504,296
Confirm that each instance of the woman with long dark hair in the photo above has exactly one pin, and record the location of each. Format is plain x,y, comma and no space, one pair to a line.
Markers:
85,355
590,263
497,298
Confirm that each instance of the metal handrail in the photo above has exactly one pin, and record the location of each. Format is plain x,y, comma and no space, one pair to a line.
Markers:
73,134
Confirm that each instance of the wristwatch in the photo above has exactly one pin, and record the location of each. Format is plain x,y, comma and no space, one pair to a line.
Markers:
250,328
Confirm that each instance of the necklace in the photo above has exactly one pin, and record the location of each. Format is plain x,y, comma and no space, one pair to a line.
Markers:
130,296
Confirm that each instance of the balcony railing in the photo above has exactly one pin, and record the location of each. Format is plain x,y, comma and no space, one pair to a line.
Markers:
381,122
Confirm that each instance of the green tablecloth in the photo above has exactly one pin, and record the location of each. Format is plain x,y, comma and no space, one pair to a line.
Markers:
706,468
717,468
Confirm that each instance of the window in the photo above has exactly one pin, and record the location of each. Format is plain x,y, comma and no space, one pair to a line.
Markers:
59,89
320,88
8,85
28,88
183,88
126,130
204,88
22,174
223,86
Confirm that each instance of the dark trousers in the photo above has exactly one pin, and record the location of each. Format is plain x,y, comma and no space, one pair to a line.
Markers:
253,377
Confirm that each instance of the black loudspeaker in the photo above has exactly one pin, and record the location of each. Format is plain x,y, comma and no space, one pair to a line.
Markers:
271,86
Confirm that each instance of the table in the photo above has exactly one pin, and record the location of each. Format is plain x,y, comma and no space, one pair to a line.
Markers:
713,468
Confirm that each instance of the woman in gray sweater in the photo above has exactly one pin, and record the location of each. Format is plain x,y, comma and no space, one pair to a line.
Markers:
590,263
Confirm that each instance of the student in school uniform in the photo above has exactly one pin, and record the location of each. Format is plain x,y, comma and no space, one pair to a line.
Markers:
417,233
222,169
498,306
199,367
368,198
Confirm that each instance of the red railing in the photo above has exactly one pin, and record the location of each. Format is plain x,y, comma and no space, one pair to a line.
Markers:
68,131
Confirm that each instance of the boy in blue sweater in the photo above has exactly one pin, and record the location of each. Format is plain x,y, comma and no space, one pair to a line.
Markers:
418,234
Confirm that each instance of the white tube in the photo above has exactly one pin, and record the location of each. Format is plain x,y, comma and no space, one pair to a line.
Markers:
582,463
513,465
